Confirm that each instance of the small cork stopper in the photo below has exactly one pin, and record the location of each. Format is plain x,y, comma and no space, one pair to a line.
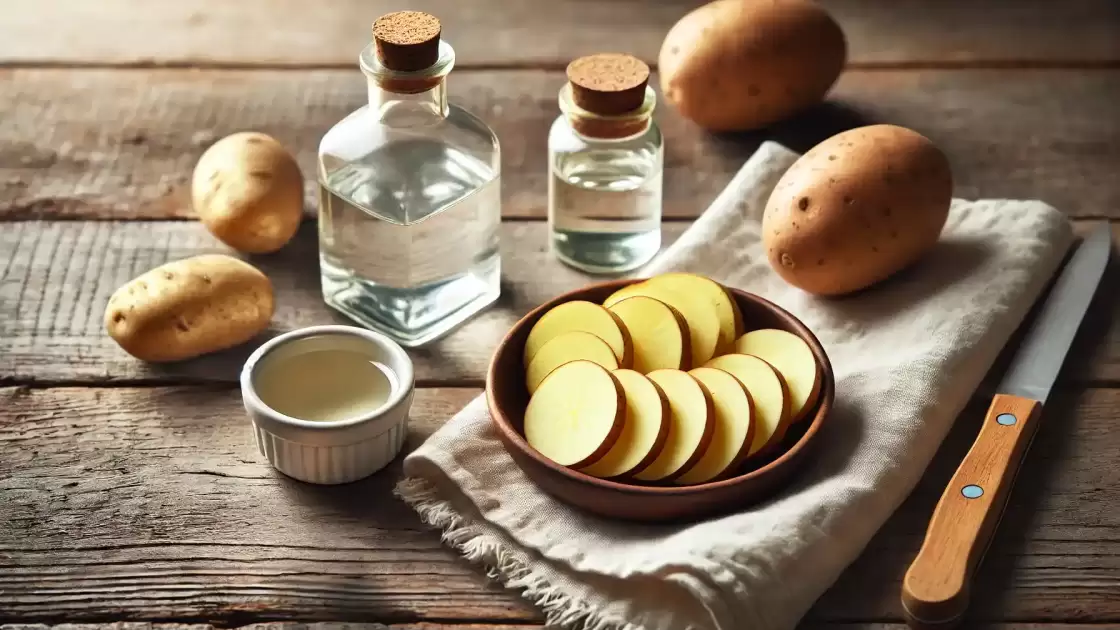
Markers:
407,41
608,84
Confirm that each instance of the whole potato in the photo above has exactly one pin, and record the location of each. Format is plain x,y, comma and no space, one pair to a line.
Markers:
857,208
190,307
248,191
735,65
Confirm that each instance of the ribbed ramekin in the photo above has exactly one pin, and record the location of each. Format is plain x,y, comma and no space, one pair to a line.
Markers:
332,452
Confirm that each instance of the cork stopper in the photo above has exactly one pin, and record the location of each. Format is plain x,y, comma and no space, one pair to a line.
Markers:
407,41
608,84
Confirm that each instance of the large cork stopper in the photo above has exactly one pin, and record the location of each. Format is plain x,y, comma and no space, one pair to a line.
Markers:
608,84
407,41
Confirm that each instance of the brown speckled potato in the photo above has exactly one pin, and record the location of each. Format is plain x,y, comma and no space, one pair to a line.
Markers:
248,191
735,65
857,208
190,307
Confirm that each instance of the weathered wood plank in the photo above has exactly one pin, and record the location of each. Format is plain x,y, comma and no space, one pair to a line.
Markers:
333,625
56,277
153,503
67,149
519,32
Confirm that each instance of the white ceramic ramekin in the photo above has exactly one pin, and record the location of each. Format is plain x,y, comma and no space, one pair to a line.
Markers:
332,452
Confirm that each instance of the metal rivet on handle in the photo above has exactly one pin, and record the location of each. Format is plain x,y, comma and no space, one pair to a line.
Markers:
1006,419
972,492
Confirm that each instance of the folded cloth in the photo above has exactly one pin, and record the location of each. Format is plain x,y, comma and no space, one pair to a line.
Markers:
907,355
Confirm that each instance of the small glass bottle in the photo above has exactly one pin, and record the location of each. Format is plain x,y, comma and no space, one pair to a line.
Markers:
605,154
410,202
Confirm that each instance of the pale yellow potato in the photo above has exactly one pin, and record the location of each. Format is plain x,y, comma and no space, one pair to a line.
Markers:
793,359
727,312
580,315
644,429
734,427
768,394
692,422
565,348
248,191
190,307
658,333
576,415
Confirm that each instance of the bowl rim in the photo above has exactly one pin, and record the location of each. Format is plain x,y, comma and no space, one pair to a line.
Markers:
823,405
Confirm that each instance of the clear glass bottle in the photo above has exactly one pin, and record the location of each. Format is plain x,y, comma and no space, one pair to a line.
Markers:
604,192
410,204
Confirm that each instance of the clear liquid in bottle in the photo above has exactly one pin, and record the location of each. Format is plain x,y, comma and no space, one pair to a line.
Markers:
409,239
606,209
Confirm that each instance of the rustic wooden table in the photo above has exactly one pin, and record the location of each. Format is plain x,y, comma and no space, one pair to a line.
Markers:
134,493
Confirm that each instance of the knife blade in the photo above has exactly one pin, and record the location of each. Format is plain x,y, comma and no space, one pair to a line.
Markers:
936,586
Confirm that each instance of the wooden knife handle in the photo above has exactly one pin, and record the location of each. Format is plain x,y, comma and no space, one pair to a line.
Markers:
936,587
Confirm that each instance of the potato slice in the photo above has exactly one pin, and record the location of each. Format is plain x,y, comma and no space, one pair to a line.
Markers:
734,426
768,393
577,414
565,348
727,312
629,290
793,359
643,431
658,333
691,423
698,313
583,316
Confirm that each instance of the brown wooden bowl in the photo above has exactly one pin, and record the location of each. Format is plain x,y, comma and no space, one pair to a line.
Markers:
507,398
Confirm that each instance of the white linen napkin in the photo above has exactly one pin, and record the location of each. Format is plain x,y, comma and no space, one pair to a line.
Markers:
907,356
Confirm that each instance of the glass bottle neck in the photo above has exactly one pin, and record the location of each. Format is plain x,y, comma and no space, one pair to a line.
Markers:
407,103
607,128
407,99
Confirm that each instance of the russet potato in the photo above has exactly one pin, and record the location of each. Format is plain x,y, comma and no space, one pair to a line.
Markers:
856,209
248,191
190,307
737,65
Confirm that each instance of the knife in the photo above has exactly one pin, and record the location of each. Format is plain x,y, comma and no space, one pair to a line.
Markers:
935,589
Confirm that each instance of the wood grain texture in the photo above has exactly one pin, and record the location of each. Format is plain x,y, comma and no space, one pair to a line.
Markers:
509,32
123,143
338,625
153,503
56,278
937,586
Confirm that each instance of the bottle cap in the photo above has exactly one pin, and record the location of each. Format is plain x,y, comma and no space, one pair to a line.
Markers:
608,84
407,41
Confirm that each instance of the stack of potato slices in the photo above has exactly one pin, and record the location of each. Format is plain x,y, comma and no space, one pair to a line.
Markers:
661,384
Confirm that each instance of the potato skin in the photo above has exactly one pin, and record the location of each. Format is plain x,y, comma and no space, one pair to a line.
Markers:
737,65
857,208
190,307
248,191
